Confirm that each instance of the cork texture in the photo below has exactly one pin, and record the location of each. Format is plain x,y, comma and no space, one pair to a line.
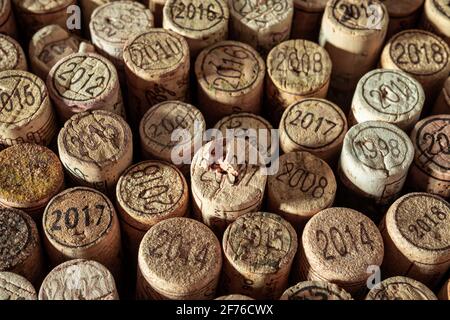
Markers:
15,287
400,288
315,290
11,54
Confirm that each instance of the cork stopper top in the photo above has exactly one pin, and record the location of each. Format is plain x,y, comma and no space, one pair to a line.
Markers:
15,287
11,53
260,242
315,290
179,255
442,7
299,67
402,8
311,5
18,237
234,297
29,175
400,288
341,243
40,7
79,279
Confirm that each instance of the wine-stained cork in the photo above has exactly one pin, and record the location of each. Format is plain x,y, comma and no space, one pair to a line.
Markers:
84,81
7,19
16,287
49,45
436,18
388,95
430,171
235,297
12,56
226,182
32,15
403,14
161,122
375,160
416,233
353,33
81,222
157,7
421,54
315,290
147,193
230,79
20,245
314,125
95,147
201,22
179,259
261,24
157,69
444,293
26,114
30,175
79,279
442,105
307,19
400,288
303,186
297,69
339,245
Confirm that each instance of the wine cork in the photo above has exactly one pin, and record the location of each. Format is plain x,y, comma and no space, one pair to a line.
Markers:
7,19
259,249
444,293
436,18
307,19
430,171
403,15
87,8
315,290
442,105
314,125
416,234
375,160
225,182
388,95
158,132
26,115
400,288
201,22
179,259
20,245
297,69
79,280
157,69
95,147
84,81
235,297
16,287
157,7
30,175
33,15
230,79
353,33
422,55
81,222
339,245
12,56
49,45
261,23
147,193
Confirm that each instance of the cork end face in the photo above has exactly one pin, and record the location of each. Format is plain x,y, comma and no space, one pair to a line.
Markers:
15,287
13,55
400,288
38,7
315,290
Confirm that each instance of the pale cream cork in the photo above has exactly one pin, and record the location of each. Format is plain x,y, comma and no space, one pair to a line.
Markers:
230,78
87,8
307,19
147,193
339,245
157,69
403,14
7,19
226,182
375,160
235,297
79,279
20,245
157,7
30,175
430,171
400,288
12,56
26,114
442,105
444,293
49,45
436,18
201,22
261,23
259,249
314,125
79,223
16,287
391,96
416,233
95,147
160,140
296,69
179,259
84,82
315,290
